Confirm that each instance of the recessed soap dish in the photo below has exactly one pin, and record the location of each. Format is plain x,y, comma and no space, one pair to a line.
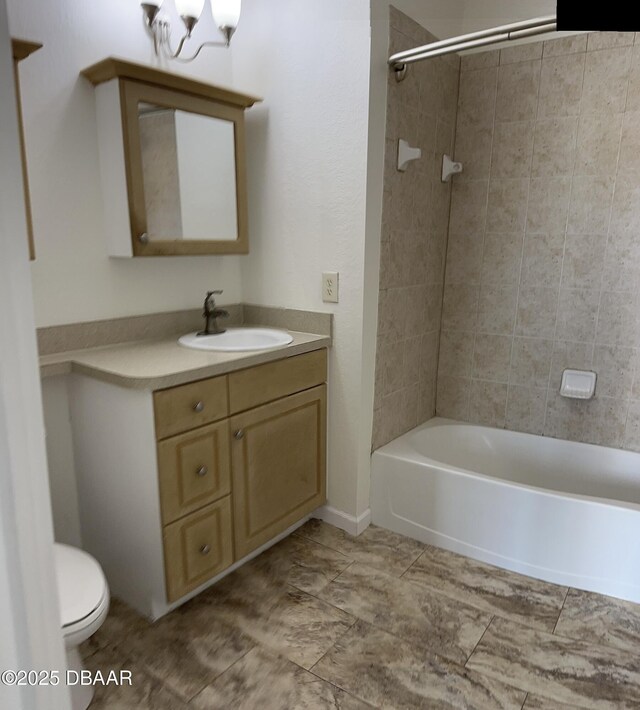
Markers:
578,384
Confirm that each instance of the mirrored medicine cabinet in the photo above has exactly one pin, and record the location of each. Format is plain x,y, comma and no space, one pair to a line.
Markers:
172,162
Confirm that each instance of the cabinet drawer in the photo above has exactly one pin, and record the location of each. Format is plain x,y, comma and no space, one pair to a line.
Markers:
266,383
197,548
278,466
189,406
193,470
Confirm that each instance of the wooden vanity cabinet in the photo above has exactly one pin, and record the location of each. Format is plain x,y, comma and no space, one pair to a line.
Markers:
234,484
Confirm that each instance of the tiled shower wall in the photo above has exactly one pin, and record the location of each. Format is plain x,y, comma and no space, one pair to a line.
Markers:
543,264
421,110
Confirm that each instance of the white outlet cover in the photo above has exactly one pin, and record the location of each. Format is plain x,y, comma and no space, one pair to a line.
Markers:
330,286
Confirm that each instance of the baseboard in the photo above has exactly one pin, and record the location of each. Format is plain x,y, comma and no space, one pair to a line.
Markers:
344,521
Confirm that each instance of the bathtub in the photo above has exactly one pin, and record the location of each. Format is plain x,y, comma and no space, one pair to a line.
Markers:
560,511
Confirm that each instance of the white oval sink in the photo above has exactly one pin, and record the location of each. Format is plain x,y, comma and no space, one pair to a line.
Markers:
238,340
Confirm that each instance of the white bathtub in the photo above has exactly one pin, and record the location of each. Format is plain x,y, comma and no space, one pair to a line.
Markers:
561,511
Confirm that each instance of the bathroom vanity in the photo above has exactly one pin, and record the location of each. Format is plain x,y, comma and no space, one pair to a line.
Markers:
190,463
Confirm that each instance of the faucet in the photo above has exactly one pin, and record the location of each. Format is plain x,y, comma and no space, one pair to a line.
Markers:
211,314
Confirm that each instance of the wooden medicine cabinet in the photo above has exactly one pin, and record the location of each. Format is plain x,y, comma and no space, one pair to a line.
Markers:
172,162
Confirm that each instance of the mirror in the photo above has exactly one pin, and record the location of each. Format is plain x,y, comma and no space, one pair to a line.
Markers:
188,173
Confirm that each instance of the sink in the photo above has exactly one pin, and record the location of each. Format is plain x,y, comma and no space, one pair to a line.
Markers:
238,340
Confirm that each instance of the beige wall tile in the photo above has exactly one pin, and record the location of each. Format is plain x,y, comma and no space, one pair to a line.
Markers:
629,163
433,308
577,314
583,260
625,213
392,312
564,418
526,409
497,309
605,421
501,259
606,76
491,357
469,206
530,362
555,147
521,53
452,399
569,356
456,353
464,257
416,303
632,428
633,92
488,403
427,399
590,206
606,40
412,348
561,81
565,45
615,367
460,307
618,319
548,204
473,148
429,355
477,95
536,315
517,96
480,60
542,259
507,208
621,269
512,149
598,143
390,355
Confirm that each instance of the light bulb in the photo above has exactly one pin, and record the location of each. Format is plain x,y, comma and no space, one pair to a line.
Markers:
153,3
226,14
189,8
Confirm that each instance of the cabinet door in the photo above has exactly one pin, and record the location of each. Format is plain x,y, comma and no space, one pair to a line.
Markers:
278,466
193,470
197,548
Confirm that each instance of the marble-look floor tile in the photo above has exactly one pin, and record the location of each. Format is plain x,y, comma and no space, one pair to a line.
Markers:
535,702
121,622
389,673
375,547
563,670
601,620
263,680
441,625
277,615
144,693
188,648
524,599
302,563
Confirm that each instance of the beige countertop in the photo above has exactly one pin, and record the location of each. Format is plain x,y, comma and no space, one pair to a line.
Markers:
156,364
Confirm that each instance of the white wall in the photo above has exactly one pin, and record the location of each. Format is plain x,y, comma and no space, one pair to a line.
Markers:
29,617
72,277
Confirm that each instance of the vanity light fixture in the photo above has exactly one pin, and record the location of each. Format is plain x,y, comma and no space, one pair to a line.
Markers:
226,14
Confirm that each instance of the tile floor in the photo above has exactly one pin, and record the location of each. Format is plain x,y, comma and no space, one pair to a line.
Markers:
324,620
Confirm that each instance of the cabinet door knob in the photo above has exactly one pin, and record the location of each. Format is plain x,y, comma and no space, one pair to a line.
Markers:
205,549
202,471
239,434
198,406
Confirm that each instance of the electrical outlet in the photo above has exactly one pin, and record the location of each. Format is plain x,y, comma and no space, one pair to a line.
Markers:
330,286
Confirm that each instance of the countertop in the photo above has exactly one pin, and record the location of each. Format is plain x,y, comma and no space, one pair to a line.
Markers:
157,364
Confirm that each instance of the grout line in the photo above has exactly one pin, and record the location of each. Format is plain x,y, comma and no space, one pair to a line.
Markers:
524,702
564,601
219,675
479,640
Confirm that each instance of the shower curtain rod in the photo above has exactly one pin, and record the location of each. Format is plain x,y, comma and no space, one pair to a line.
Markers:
516,30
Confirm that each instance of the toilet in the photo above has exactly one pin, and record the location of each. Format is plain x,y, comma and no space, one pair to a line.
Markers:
83,594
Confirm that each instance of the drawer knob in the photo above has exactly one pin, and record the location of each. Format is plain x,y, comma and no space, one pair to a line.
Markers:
202,471
239,434
198,406
205,549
